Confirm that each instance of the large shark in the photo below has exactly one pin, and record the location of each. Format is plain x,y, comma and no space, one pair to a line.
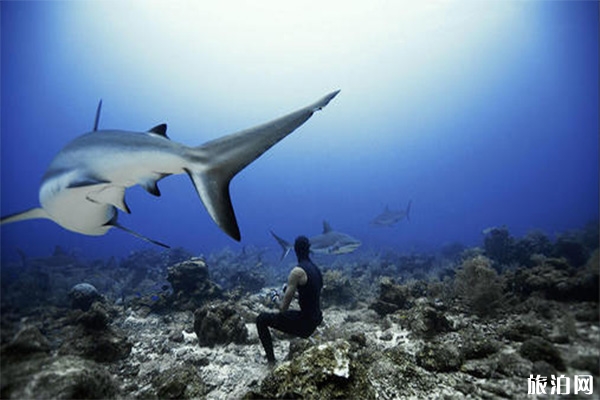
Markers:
328,242
390,217
85,183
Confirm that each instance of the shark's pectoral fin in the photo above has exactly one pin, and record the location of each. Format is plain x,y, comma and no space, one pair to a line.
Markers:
33,213
114,195
213,189
115,224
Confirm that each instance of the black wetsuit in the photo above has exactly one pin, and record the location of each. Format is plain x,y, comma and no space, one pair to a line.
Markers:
299,323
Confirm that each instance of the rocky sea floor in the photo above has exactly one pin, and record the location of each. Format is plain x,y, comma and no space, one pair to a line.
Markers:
460,324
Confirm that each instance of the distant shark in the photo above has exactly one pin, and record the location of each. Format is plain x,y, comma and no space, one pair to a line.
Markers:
85,183
328,242
390,217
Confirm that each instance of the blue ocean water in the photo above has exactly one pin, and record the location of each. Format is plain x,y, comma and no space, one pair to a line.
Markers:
481,113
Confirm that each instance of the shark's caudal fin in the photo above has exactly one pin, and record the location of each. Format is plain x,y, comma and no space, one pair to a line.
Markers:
219,161
33,213
284,245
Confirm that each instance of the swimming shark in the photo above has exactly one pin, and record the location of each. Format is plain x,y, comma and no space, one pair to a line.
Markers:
85,184
390,217
328,242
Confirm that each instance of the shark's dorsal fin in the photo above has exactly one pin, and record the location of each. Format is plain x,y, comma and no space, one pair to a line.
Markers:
326,227
97,119
160,130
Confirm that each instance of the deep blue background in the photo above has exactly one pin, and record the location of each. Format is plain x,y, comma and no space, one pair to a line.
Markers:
482,114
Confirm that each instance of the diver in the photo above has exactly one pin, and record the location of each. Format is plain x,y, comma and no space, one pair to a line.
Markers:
307,279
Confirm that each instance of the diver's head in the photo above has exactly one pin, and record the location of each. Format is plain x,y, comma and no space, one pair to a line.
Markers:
302,247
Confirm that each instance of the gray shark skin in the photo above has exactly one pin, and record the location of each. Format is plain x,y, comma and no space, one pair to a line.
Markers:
328,242
85,183
391,217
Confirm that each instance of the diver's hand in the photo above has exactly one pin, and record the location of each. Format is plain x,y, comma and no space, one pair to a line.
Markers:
274,296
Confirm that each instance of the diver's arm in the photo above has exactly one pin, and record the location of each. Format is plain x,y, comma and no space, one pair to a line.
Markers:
297,277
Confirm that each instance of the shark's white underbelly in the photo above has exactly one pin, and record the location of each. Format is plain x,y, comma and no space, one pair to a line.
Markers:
71,209
90,208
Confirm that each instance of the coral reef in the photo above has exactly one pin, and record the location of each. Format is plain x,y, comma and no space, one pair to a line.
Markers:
556,279
183,382
538,349
191,284
325,371
468,325
439,357
392,297
478,284
219,323
62,377
29,340
574,246
83,295
337,290
244,272
91,336
425,319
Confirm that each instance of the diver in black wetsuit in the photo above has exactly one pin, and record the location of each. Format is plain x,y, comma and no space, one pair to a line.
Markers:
307,279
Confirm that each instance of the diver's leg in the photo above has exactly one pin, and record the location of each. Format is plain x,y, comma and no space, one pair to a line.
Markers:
263,321
293,323
290,322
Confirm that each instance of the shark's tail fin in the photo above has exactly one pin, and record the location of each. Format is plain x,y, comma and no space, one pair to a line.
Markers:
408,210
220,160
284,245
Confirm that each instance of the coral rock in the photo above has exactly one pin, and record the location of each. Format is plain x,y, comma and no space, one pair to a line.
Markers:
392,297
325,372
538,349
439,357
83,295
65,377
28,340
219,323
191,285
